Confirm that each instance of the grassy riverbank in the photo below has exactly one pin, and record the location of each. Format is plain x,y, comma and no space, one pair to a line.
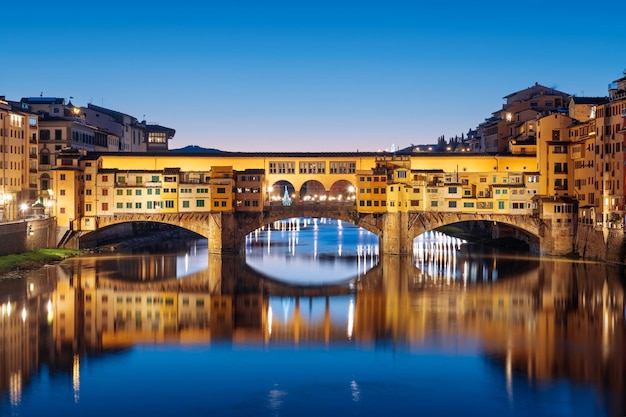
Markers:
35,259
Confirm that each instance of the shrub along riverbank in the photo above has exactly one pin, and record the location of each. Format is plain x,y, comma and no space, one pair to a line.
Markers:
20,262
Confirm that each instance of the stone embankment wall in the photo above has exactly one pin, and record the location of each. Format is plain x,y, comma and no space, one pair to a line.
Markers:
28,235
601,244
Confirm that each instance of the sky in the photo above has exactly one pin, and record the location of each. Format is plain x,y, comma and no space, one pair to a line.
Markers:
307,76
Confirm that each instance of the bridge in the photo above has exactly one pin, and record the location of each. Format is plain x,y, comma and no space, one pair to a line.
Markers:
225,196
226,231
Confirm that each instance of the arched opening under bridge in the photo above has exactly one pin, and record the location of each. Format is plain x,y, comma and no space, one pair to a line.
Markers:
307,251
137,234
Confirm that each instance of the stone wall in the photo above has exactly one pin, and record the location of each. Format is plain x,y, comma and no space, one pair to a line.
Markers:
29,235
601,244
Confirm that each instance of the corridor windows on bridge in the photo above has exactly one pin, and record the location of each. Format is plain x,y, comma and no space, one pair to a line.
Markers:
280,167
341,167
312,167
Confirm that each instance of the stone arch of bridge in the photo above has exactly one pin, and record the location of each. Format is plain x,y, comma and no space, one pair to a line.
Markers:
344,212
122,226
423,222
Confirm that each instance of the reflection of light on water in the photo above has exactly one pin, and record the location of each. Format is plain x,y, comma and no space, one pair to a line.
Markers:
509,374
436,253
270,316
15,388
318,251
286,303
356,392
275,398
76,377
350,319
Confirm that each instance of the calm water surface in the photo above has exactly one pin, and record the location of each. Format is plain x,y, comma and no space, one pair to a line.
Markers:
315,322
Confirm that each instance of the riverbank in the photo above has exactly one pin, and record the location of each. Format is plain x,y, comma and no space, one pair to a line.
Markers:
15,265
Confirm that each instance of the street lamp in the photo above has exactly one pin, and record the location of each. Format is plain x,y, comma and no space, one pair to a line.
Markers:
23,208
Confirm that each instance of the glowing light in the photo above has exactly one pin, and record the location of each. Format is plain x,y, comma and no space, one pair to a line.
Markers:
15,388
270,316
350,319
76,378
50,312
24,314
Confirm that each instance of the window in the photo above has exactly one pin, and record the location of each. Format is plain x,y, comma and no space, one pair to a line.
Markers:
137,205
186,204
169,203
87,207
62,177
221,190
451,204
58,134
452,190
119,192
339,167
105,206
434,203
199,203
279,167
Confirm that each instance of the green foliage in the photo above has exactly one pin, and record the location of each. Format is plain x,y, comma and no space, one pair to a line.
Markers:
34,259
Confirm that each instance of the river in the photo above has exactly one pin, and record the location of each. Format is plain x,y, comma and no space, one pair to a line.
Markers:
313,320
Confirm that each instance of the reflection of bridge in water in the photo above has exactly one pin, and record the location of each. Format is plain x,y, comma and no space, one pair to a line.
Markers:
546,320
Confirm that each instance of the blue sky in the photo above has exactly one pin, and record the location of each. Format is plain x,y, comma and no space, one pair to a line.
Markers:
308,76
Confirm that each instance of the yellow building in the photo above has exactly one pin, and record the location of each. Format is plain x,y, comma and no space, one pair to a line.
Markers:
18,163
221,186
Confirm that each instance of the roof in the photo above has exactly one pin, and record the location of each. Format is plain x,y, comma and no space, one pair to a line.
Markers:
589,100
43,100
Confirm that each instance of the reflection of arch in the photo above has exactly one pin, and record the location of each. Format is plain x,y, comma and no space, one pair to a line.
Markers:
277,191
312,190
342,190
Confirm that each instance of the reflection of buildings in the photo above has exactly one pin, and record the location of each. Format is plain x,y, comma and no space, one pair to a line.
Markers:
551,320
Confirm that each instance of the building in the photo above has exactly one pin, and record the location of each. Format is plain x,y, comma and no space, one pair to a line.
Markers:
515,121
18,182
